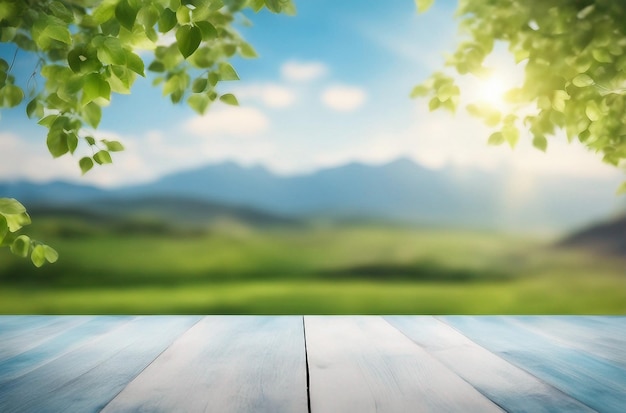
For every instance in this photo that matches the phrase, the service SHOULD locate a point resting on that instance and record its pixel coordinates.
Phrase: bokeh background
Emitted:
(327, 191)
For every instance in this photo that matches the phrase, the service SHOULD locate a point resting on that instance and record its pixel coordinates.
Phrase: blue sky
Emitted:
(330, 86)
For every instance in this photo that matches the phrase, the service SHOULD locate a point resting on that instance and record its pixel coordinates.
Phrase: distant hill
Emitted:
(400, 191)
(607, 237)
(165, 210)
(50, 193)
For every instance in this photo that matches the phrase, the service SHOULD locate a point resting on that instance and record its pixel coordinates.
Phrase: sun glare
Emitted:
(492, 90)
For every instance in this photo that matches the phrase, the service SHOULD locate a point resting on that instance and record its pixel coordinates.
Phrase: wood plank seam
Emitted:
(363, 364)
(437, 358)
(306, 364)
(146, 366)
(515, 365)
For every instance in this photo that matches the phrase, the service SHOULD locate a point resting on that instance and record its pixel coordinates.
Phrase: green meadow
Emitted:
(228, 268)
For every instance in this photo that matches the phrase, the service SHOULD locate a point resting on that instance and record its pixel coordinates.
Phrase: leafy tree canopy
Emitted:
(573, 55)
(89, 49)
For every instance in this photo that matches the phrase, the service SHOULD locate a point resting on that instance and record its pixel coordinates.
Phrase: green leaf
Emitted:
(183, 15)
(50, 253)
(4, 228)
(104, 12)
(31, 108)
(60, 33)
(207, 29)
(156, 66)
(113, 146)
(175, 84)
(446, 91)
(72, 142)
(273, 5)
(229, 49)
(102, 157)
(257, 5)
(229, 99)
(21, 246)
(126, 14)
(92, 113)
(17, 221)
(12, 95)
(540, 142)
(85, 164)
(510, 134)
(111, 52)
(90, 140)
(38, 256)
(419, 91)
(188, 39)
(423, 5)
(227, 72)
(559, 99)
(621, 190)
(582, 80)
(167, 21)
(434, 103)
(57, 143)
(134, 63)
(48, 120)
(602, 55)
(199, 85)
(213, 78)
(10, 206)
(593, 111)
(496, 138)
(247, 51)
(198, 102)
(59, 10)
(95, 86)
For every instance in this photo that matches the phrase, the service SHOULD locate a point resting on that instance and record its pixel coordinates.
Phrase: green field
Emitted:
(351, 269)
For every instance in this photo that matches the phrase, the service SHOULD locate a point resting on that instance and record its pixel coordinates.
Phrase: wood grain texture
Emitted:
(594, 381)
(225, 364)
(89, 376)
(363, 364)
(57, 344)
(604, 337)
(512, 388)
(21, 333)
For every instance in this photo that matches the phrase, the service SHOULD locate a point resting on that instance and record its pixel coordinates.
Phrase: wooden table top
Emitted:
(312, 364)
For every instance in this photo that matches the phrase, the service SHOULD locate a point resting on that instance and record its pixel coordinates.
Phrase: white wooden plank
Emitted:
(512, 388)
(225, 364)
(604, 337)
(57, 344)
(22, 333)
(87, 378)
(595, 382)
(363, 364)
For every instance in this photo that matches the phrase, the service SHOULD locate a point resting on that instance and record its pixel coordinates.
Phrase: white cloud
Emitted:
(303, 71)
(272, 95)
(30, 160)
(343, 98)
(233, 121)
(21, 158)
(439, 139)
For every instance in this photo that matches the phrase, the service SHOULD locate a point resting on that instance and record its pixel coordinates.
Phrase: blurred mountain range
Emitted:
(608, 237)
(400, 191)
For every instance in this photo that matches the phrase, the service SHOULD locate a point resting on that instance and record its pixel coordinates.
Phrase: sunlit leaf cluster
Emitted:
(13, 217)
(90, 50)
(574, 65)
